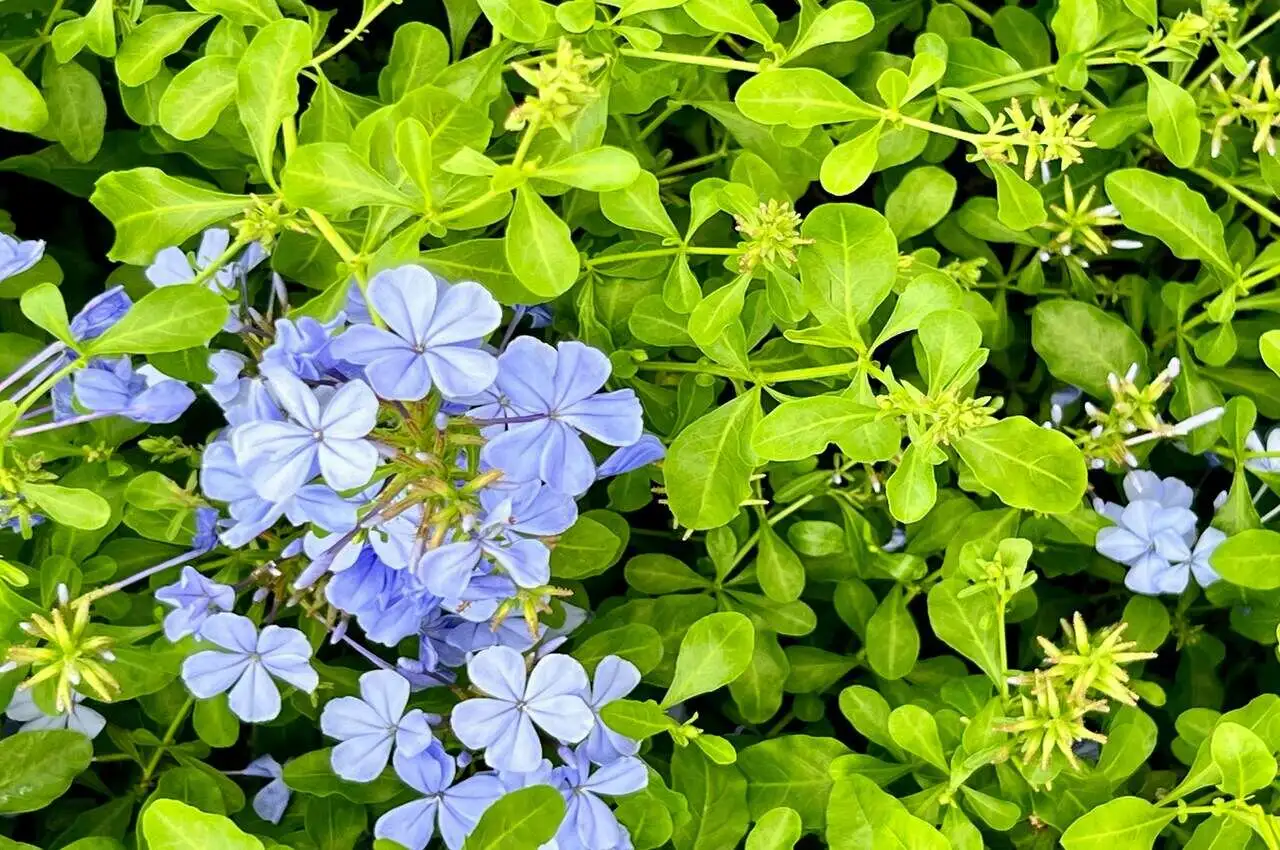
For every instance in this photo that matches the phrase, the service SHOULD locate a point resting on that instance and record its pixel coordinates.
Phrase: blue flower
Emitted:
(328, 437)
(246, 664)
(502, 724)
(454, 809)
(301, 348)
(194, 599)
(557, 389)
(100, 313)
(172, 266)
(227, 384)
(588, 822)
(273, 798)
(371, 725)
(447, 569)
(614, 678)
(1263, 465)
(17, 256)
(433, 337)
(78, 718)
(1148, 537)
(143, 396)
(533, 509)
(648, 449)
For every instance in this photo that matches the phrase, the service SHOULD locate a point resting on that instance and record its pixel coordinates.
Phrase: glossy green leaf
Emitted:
(1027, 466)
(714, 652)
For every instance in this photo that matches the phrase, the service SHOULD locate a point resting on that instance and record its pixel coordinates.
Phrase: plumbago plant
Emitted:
(657, 423)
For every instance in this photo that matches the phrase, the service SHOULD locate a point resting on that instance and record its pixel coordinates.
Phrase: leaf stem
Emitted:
(649, 253)
(352, 34)
(167, 741)
(691, 59)
(696, 162)
(1241, 42)
(43, 35)
(526, 141)
(218, 262)
(1237, 193)
(349, 256)
(976, 11)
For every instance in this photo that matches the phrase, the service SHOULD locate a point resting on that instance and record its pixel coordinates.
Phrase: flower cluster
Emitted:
(770, 236)
(1155, 535)
(1058, 137)
(563, 87)
(1255, 105)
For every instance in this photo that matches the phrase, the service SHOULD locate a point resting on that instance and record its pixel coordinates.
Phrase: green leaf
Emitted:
(22, 107)
(638, 207)
(1027, 466)
(843, 21)
(1175, 119)
(214, 723)
(419, 52)
(732, 16)
(1269, 347)
(1081, 344)
(37, 768)
(893, 642)
(478, 259)
(44, 306)
(776, 829)
(915, 730)
(637, 720)
(912, 489)
(77, 110)
(634, 642)
(197, 96)
(173, 825)
(525, 21)
(602, 169)
(850, 163)
(1165, 208)
(152, 211)
(587, 549)
(1076, 25)
(1244, 760)
(800, 98)
(952, 345)
(313, 774)
(966, 622)
(539, 247)
(1249, 559)
(714, 652)
(850, 267)
(70, 506)
(143, 51)
(1126, 823)
(778, 569)
(713, 315)
(717, 796)
(332, 178)
(246, 13)
(334, 824)
(522, 820)
(169, 319)
(267, 85)
(1018, 205)
(792, 771)
(920, 201)
(708, 467)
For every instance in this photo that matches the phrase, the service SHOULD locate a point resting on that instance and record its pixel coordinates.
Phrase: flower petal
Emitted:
(255, 698)
(411, 825)
(500, 673)
(405, 298)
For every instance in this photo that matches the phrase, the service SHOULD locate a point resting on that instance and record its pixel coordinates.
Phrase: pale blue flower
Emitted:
(433, 336)
(325, 434)
(502, 723)
(99, 314)
(453, 809)
(648, 449)
(588, 822)
(172, 266)
(614, 678)
(246, 664)
(301, 348)
(193, 599)
(273, 798)
(554, 393)
(17, 256)
(78, 718)
(112, 386)
(446, 570)
(369, 727)
(532, 509)
(1266, 465)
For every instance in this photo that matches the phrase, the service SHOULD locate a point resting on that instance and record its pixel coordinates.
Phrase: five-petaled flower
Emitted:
(369, 726)
(246, 662)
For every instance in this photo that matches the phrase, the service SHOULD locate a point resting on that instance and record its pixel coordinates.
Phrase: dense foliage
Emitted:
(501, 424)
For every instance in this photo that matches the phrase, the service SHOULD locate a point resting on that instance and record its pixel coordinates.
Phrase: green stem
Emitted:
(349, 256)
(1003, 684)
(221, 260)
(696, 162)
(526, 141)
(167, 741)
(697, 368)
(43, 36)
(650, 253)
(469, 206)
(691, 59)
(808, 373)
(353, 34)
(1237, 193)
(976, 11)
(1241, 42)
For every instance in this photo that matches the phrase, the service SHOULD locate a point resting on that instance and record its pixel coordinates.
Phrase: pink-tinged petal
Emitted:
(566, 718)
(232, 632)
(580, 371)
(500, 672)
(365, 344)
(208, 674)
(526, 374)
(464, 312)
(351, 412)
(477, 723)
(411, 825)
(255, 698)
(347, 464)
(295, 398)
(461, 371)
(614, 418)
(405, 298)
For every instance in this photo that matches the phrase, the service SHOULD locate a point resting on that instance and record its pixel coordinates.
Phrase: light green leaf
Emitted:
(525, 21)
(792, 771)
(635, 642)
(267, 85)
(1018, 205)
(539, 246)
(708, 467)
(44, 306)
(522, 820)
(893, 642)
(1082, 344)
(77, 110)
(850, 267)
(804, 427)
(912, 489)
(778, 569)
(843, 21)
(419, 52)
(1165, 208)
(850, 163)
(714, 652)
(602, 169)
(732, 16)
(638, 207)
(717, 796)
(637, 720)
(246, 13)
(1249, 559)
(1269, 346)
(169, 319)
(800, 98)
(479, 259)
(144, 49)
(914, 729)
(22, 107)
(152, 211)
(920, 201)
(1076, 25)
(776, 829)
(1126, 823)
(966, 622)
(952, 345)
(197, 96)
(1244, 760)
(37, 768)
(70, 506)
(332, 178)
(173, 825)
(1175, 119)
(1027, 466)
